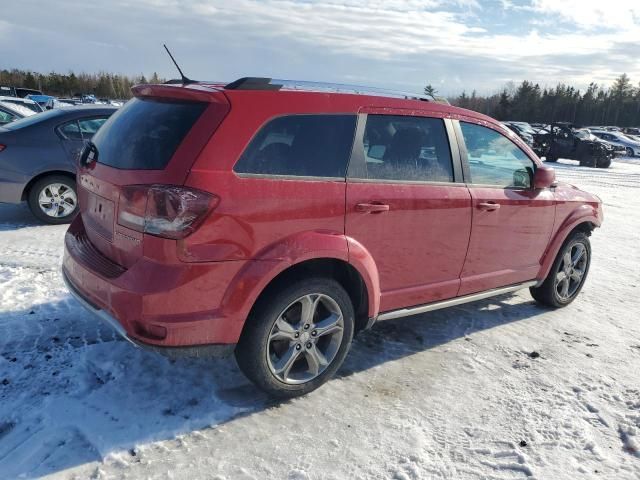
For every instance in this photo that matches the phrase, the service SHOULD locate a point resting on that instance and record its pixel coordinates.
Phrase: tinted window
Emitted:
(144, 134)
(494, 159)
(406, 148)
(301, 145)
(71, 130)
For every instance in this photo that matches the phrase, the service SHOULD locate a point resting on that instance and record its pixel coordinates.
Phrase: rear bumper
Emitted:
(213, 350)
(160, 306)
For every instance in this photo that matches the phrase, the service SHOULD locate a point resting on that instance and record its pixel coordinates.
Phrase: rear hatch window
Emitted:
(144, 134)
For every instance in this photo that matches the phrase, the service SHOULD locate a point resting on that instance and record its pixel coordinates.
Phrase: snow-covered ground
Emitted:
(452, 394)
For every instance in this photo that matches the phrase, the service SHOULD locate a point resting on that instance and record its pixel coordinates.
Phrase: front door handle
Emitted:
(372, 207)
(489, 206)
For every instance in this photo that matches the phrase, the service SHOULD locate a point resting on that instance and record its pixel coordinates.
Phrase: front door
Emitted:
(512, 222)
(407, 205)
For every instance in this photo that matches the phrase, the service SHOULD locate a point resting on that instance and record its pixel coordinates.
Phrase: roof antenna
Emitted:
(185, 80)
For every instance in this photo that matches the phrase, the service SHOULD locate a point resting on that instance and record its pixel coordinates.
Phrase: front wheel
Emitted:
(53, 199)
(568, 273)
(296, 338)
(629, 152)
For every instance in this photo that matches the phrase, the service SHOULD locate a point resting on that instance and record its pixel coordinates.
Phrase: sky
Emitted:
(454, 45)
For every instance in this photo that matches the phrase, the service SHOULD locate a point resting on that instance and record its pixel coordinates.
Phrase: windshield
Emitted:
(33, 119)
(144, 134)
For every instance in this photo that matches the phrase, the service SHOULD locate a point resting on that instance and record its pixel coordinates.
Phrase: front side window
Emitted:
(494, 159)
(301, 145)
(403, 148)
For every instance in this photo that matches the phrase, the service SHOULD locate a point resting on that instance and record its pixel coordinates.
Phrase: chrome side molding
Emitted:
(429, 307)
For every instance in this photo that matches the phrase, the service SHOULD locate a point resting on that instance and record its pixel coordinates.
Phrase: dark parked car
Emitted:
(523, 130)
(276, 221)
(38, 159)
(562, 141)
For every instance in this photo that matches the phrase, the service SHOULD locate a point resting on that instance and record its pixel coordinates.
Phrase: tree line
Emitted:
(617, 105)
(102, 85)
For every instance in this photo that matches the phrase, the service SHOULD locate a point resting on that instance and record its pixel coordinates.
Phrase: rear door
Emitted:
(512, 221)
(407, 205)
(153, 139)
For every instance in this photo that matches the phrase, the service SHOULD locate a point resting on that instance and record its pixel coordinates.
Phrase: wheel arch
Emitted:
(311, 253)
(341, 271)
(40, 176)
(584, 224)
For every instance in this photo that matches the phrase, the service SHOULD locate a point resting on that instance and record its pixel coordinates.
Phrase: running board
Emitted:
(452, 302)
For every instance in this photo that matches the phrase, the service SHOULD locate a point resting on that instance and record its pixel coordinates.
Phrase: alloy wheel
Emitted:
(571, 271)
(57, 200)
(305, 339)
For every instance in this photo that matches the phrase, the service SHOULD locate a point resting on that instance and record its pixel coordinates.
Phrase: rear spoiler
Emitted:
(192, 92)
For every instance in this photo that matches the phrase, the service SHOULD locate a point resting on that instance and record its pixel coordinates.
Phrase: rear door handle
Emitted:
(372, 207)
(489, 206)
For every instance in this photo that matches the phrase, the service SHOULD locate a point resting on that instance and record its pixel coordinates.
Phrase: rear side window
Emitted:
(144, 134)
(301, 145)
(404, 148)
(71, 130)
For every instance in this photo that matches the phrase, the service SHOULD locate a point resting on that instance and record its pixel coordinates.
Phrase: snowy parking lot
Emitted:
(500, 388)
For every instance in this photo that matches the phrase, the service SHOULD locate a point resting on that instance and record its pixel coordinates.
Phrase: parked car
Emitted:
(23, 102)
(7, 91)
(10, 113)
(23, 92)
(520, 129)
(274, 220)
(38, 159)
(631, 146)
(631, 131)
(562, 142)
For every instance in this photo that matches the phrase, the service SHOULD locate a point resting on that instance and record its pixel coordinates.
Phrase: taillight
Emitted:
(166, 211)
(2, 147)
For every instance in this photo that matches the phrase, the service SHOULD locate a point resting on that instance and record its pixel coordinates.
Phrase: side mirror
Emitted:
(544, 177)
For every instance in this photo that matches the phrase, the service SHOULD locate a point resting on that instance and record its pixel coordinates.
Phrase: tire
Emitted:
(629, 152)
(550, 158)
(548, 293)
(61, 190)
(604, 162)
(275, 332)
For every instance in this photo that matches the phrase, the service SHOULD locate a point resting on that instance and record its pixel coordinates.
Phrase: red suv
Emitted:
(276, 219)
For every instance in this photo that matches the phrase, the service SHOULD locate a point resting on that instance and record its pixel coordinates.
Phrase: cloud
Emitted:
(403, 44)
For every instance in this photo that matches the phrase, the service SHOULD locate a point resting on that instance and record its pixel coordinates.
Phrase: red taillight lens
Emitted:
(166, 211)
(2, 147)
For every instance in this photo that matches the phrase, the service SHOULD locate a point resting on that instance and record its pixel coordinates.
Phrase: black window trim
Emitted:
(464, 155)
(307, 178)
(357, 164)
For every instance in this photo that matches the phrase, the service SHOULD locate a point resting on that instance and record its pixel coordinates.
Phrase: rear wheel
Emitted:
(568, 273)
(53, 199)
(629, 152)
(296, 339)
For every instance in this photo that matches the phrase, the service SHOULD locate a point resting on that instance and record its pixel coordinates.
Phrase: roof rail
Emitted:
(262, 83)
